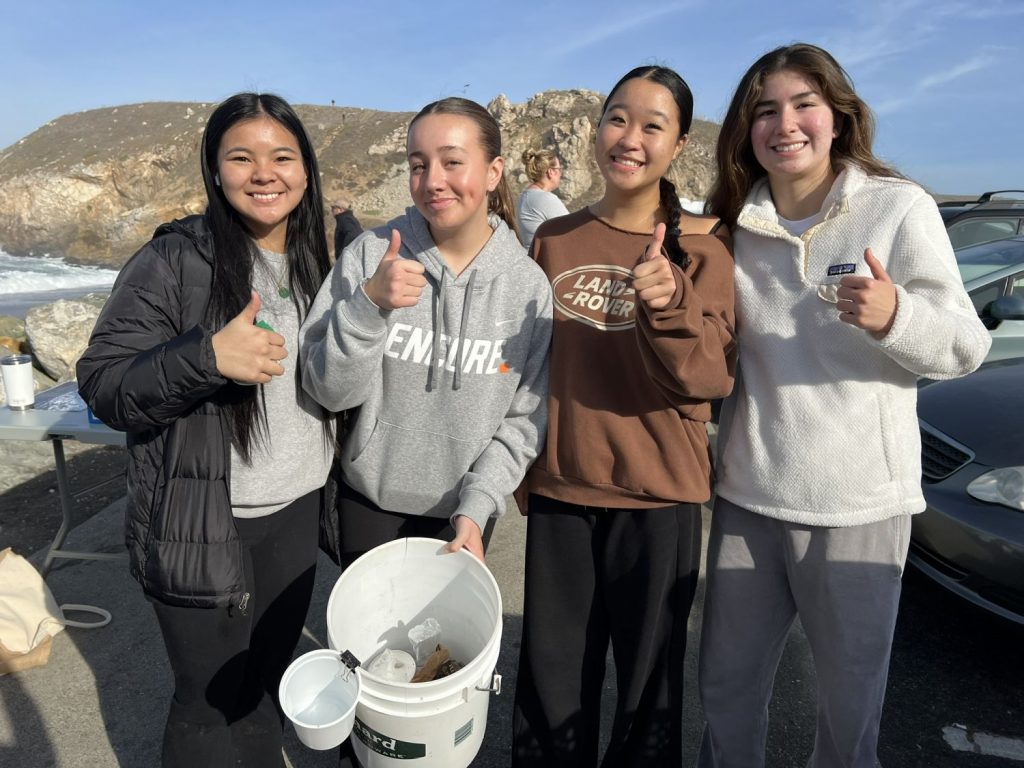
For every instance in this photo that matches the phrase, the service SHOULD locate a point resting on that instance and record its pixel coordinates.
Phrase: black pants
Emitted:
(227, 665)
(363, 526)
(595, 575)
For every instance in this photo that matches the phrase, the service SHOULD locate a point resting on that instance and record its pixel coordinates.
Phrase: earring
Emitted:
(216, 180)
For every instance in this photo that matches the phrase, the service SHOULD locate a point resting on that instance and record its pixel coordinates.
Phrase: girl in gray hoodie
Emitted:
(433, 332)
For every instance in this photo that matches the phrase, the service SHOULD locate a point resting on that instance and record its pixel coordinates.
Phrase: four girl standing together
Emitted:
(460, 362)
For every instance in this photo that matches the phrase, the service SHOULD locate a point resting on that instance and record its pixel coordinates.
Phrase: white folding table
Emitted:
(35, 424)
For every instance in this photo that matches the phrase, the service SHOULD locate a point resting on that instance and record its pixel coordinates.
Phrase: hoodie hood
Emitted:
(498, 255)
(195, 229)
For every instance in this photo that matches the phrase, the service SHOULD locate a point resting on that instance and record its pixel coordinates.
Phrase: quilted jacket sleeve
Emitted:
(142, 369)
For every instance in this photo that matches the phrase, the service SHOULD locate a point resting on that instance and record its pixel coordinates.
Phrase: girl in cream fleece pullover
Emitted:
(847, 292)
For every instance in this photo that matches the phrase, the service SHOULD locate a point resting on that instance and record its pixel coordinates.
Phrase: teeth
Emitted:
(266, 196)
(627, 161)
(790, 147)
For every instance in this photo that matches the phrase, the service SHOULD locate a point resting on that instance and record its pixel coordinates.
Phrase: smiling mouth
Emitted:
(265, 196)
(794, 147)
(627, 162)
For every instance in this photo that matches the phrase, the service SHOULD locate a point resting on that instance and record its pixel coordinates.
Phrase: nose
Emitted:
(262, 171)
(434, 176)
(787, 119)
(630, 136)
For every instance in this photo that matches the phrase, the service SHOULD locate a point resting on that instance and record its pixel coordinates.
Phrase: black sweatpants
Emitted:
(227, 665)
(595, 575)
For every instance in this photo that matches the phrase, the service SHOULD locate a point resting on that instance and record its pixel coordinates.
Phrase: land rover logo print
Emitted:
(387, 745)
(599, 295)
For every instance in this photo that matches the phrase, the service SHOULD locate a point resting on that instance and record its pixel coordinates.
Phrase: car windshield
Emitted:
(979, 260)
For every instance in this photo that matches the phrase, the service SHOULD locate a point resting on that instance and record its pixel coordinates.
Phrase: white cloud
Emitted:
(975, 64)
(584, 38)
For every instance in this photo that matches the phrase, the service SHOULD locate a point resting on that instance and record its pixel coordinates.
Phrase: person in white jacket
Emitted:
(847, 292)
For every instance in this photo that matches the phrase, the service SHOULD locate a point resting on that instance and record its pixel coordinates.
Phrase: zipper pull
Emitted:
(243, 603)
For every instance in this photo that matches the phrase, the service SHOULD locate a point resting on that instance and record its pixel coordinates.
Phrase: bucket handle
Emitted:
(494, 687)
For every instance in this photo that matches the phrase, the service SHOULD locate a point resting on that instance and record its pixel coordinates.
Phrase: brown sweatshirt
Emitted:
(630, 386)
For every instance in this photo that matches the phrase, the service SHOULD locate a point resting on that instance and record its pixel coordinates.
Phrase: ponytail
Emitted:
(501, 202)
(673, 213)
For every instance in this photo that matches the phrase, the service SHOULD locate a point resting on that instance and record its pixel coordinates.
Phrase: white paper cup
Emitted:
(17, 375)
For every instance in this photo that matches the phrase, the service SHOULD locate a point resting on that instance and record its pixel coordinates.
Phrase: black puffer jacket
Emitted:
(150, 370)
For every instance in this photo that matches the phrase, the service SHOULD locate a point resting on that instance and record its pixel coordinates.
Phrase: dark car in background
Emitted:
(993, 216)
(993, 274)
(970, 539)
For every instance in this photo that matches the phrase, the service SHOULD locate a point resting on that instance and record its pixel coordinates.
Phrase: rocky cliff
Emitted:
(93, 186)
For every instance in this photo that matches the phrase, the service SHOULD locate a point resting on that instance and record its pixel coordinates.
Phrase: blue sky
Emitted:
(942, 75)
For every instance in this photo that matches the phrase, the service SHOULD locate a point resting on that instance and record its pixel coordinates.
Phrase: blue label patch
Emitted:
(841, 269)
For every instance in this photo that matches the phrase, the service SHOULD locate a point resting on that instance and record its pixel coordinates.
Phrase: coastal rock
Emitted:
(93, 186)
(58, 333)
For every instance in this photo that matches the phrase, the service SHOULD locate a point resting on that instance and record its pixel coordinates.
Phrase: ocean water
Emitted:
(26, 281)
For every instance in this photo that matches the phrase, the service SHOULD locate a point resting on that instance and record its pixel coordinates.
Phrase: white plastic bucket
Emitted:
(437, 724)
(318, 693)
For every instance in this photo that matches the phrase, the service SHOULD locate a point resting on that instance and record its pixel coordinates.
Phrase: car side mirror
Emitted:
(1007, 308)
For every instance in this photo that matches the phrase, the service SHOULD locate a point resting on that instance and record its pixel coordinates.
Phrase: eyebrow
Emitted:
(772, 102)
(657, 112)
(446, 148)
(275, 149)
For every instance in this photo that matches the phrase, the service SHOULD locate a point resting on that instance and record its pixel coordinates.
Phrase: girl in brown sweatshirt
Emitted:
(643, 339)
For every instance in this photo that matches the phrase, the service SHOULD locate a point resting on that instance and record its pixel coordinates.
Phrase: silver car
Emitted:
(993, 274)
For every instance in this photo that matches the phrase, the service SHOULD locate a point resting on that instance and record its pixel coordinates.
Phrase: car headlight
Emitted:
(1001, 486)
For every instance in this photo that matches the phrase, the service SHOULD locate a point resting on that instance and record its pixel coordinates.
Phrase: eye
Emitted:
(415, 167)
(237, 159)
(450, 163)
(763, 112)
(653, 127)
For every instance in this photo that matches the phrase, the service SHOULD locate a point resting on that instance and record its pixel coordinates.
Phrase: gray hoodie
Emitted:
(452, 392)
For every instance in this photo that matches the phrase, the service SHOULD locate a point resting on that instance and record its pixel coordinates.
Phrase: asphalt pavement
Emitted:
(102, 698)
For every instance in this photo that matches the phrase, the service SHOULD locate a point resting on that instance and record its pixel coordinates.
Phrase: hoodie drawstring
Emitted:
(467, 299)
(439, 358)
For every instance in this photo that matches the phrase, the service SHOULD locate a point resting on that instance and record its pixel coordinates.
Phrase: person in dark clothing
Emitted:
(193, 357)
(346, 226)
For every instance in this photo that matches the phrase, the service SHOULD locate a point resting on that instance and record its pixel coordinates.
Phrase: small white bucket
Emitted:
(437, 724)
(318, 694)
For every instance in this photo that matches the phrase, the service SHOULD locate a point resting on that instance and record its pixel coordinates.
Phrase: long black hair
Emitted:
(235, 252)
(683, 97)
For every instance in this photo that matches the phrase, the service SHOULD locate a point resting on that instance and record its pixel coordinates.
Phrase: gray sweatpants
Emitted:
(844, 583)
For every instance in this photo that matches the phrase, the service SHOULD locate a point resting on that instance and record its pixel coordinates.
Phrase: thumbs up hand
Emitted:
(397, 282)
(246, 353)
(868, 302)
(653, 279)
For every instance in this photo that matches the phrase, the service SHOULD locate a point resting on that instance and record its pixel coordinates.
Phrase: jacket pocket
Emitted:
(413, 470)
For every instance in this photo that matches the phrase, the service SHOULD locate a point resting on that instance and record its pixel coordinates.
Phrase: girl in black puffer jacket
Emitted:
(194, 358)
